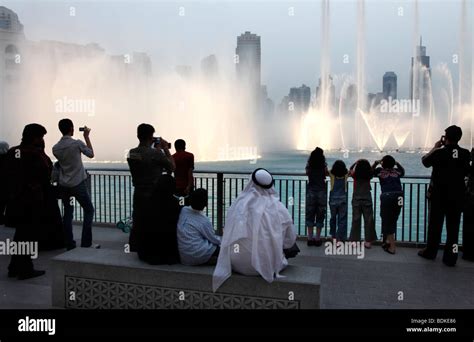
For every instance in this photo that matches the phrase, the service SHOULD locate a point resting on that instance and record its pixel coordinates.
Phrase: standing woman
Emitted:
(316, 195)
(361, 172)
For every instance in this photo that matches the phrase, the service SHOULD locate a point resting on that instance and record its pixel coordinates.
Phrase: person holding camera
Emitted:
(73, 181)
(450, 164)
(147, 162)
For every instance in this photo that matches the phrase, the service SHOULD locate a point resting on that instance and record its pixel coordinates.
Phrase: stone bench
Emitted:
(86, 278)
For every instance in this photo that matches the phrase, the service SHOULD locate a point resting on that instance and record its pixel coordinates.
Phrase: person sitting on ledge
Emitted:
(197, 242)
(157, 243)
(258, 228)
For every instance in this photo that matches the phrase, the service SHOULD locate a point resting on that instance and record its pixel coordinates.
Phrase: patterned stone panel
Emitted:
(103, 294)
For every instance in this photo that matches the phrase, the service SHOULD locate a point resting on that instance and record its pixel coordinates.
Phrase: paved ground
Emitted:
(377, 281)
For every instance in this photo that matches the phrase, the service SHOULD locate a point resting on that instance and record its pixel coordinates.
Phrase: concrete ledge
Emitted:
(87, 278)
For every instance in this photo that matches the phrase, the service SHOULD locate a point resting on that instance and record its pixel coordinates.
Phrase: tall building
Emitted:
(420, 73)
(389, 85)
(300, 97)
(330, 92)
(209, 67)
(248, 61)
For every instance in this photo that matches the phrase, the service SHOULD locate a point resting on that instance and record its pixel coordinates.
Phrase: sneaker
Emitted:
(32, 274)
(367, 245)
(310, 243)
(318, 242)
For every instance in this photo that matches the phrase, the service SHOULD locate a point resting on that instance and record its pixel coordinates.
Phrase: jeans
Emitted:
(363, 208)
(338, 206)
(390, 208)
(316, 205)
(81, 194)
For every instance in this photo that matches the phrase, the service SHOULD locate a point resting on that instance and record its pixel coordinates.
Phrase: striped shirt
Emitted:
(197, 240)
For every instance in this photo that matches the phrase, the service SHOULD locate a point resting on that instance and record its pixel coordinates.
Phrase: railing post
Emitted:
(220, 202)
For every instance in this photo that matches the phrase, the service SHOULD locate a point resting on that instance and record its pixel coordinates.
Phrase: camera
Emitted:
(82, 129)
(157, 141)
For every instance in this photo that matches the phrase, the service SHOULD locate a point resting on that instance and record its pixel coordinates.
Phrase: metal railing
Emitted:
(112, 193)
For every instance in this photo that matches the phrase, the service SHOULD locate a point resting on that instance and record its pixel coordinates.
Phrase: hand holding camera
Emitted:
(86, 131)
(161, 143)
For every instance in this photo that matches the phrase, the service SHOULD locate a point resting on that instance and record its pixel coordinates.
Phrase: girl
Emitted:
(316, 195)
(361, 172)
(391, 199)
(338, 200)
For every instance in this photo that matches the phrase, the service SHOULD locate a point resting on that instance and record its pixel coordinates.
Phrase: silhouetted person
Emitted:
(147, 163)
(73, 181)
(3, 191)
(184, 169)
(450, 165)
(391, 198)
(157, 241)
(468, 218)
(28, 174)
(362, 205)
(316, 195)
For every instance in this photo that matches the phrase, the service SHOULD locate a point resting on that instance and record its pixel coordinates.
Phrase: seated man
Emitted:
(257, 230)
(197, 242)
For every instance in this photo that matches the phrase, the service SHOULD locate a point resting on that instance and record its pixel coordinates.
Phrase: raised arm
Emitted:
(400, 169)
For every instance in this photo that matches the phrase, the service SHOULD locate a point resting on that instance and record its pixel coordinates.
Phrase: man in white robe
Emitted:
(258, 227)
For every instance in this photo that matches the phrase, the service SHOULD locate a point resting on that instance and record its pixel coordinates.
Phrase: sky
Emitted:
(289, 30)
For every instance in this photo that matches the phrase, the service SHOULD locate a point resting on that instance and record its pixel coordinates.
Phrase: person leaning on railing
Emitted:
(389, 173)
(147, 162)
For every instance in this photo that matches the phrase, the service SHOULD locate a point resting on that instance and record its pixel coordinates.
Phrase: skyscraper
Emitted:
(420, 73)
(209, 67)
(389, 85)
(300, 97)
(248, 61)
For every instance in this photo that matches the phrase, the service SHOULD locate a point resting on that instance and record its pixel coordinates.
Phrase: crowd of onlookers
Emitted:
(169, 224)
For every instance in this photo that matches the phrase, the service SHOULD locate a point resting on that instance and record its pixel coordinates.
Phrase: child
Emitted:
(316, 195)
(361, 172)
(338, 200)
(391, 199)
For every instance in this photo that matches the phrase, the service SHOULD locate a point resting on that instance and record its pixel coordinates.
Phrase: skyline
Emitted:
(281, 70)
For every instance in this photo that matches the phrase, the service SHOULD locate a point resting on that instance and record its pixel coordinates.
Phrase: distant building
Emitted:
(331, 92)
(248, 62)
(300, 97)
(420, 73)
(389, 85)
(185, 71)
(209, 67)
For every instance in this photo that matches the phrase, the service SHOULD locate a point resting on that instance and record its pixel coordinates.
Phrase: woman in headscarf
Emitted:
(258, 227)
(157, 242)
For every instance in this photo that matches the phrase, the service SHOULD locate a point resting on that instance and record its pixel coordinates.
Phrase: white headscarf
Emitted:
(257, 214)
